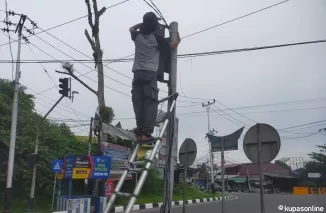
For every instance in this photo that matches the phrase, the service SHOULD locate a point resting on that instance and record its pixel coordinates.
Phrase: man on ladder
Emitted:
(148, 48)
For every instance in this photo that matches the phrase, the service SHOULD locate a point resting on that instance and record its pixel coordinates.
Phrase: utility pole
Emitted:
(169, 172)
(208, 106)
(222, 172)
(8, 193)
(89, 149)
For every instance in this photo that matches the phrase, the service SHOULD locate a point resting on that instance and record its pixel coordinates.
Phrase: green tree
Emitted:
(55, 141)
(321, 156)
(312, 167)
(282, 164)
(203, 170)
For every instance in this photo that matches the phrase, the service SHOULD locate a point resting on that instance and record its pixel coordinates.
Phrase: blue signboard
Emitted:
(100, 167)
(68, 166)
(57, 165)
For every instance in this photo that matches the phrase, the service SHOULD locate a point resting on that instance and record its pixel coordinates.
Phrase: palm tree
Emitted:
(203, 170)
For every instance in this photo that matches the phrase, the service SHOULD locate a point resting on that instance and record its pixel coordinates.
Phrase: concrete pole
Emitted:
(169, 182)
(261, 178)
(222, 173)
(208, 106)
(8, 193)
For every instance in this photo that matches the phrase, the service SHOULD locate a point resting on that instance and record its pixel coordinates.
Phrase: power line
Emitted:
(249, 49)
(203, 113)
(291, 127)
(186, 55)
(264, 105)
(68, 22)
(92, 70)
(232, 20)
(257, 11)
(84, 54)
(65, 108)
(78, 76)
(312, 134)
(55, 85)
(242, 123)
(241, 114)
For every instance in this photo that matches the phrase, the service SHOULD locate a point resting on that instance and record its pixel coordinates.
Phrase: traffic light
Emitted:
(64, 85)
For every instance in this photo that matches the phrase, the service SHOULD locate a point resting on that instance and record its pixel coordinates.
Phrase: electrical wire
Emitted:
(235, 19)
(84, 54)
(203, 113)
(63, 107)
(92, 70)
(242, 123)
(232, 20)
(241, 114)
(312, 134)
(249, 49)
(187, 55)
(78, 77)
(291, 127)
(22, 107)
(68, 22)
(55, 85)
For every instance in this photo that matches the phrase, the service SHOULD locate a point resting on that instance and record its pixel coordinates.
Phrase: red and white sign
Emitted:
(109, 187)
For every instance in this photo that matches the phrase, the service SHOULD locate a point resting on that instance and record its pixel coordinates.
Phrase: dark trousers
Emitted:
(145, 100)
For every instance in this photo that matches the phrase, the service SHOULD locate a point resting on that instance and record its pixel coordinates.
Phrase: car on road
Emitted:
(218, 187)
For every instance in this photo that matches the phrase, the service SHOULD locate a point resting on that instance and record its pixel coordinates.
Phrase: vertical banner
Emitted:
(109, 187)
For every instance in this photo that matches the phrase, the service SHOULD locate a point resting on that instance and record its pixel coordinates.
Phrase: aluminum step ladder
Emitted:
(148, 163)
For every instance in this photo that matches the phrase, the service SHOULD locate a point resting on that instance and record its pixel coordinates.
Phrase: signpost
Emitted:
(187, 156)
(56, 168)
(261, 145)
(224, 143)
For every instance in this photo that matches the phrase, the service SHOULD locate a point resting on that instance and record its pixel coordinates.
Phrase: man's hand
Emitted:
(135, 27)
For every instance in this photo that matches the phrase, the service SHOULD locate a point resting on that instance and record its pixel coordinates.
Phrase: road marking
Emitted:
(188, 205)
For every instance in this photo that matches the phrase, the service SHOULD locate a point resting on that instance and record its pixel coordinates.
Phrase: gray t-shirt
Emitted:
(147, 50)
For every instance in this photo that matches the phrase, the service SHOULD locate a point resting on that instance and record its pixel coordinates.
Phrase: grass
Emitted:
(44, 204)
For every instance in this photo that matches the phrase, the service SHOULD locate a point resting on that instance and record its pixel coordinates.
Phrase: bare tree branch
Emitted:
(90, 20)
(78, 79)
(90, 40)
(96, 46)
(101, 11)
(97, 19)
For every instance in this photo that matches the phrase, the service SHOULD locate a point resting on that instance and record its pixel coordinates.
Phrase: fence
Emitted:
(309, 190)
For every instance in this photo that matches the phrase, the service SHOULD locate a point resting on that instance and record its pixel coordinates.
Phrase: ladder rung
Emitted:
(138, 162)
(124, 194)
(174, 95)
(135, 169)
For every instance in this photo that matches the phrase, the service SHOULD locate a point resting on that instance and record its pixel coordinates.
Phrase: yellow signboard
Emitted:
(60, 176)
(80, 173)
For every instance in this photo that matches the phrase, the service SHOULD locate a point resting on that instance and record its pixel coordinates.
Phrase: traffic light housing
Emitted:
(64, 85)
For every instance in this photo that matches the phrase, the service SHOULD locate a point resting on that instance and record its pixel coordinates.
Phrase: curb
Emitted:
(174, 203)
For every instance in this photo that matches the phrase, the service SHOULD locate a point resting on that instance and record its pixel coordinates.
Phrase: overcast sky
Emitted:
(235, 80)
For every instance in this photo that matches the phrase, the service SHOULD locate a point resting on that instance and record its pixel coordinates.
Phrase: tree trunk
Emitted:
(100, 73)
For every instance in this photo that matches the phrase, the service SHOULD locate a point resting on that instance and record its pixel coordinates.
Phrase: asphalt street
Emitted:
(251, 203)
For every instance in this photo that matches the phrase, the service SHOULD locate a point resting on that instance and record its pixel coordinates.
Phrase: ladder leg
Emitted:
(144, 174)
(121, 181)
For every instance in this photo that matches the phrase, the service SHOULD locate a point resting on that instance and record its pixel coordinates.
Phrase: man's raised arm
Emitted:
(135, 27)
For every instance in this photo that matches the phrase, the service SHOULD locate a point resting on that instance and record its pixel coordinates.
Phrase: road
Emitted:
(251, 203)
